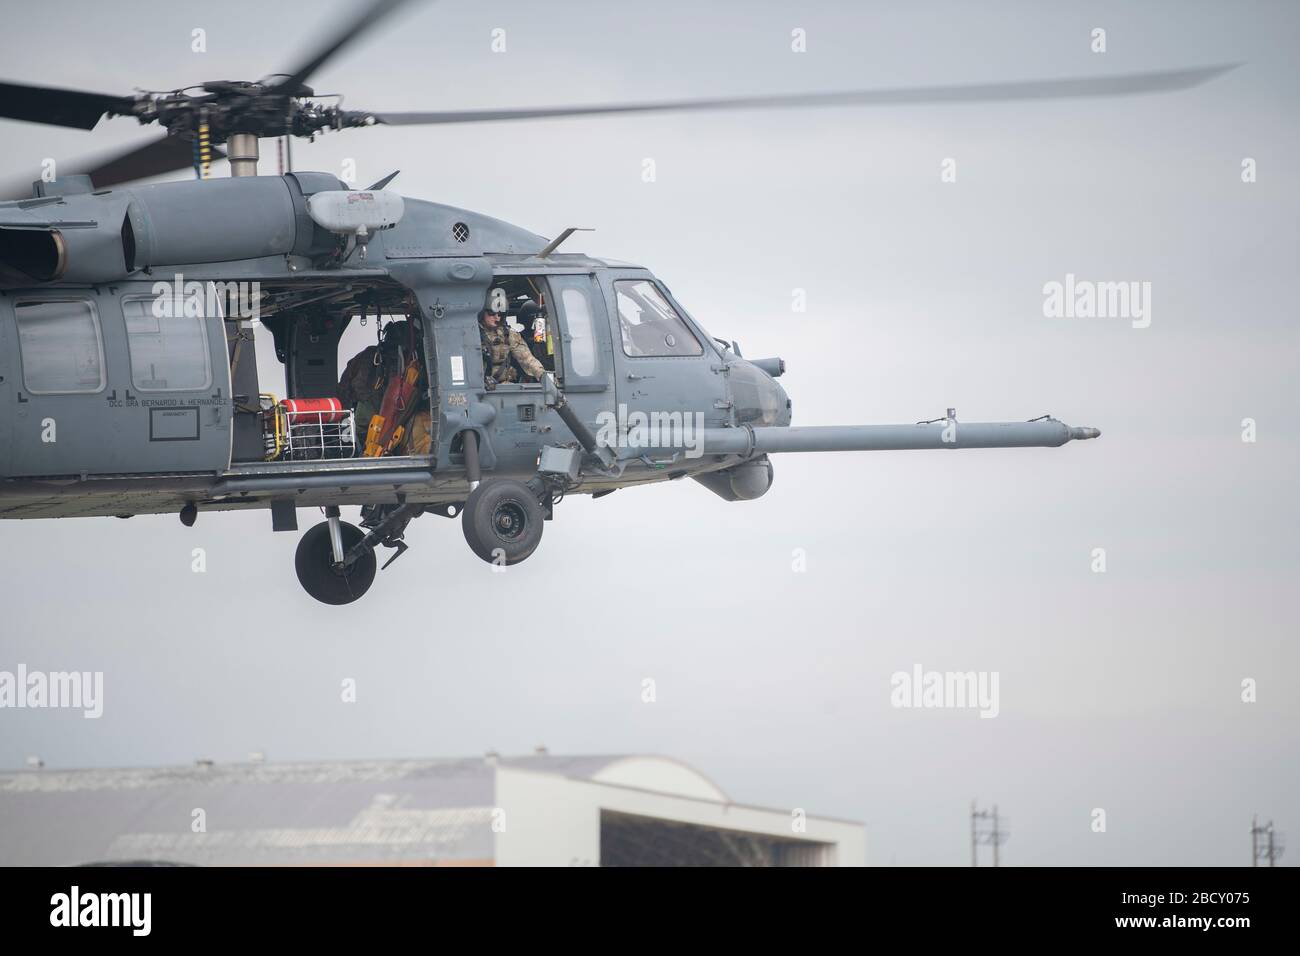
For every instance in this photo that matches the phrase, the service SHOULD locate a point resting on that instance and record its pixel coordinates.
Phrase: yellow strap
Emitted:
(373, 448)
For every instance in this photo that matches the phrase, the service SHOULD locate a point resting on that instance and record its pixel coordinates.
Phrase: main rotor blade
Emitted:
(352, 30)
(57, 107)
(154, 158)
(139, 162)
(982, 92)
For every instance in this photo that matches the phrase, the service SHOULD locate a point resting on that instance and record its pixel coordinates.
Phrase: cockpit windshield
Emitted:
(649, 323)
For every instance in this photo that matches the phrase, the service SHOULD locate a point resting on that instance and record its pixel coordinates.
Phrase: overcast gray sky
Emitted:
(1119, 690)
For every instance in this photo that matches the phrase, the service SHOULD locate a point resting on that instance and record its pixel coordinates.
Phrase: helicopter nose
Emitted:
(757, 397)
(784, 409)
(754, 396)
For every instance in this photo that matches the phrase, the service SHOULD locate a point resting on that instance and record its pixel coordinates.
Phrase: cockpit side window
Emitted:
(649, 324)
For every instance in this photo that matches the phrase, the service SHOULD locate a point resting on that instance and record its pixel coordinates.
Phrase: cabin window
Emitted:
(61, 346)
(168, 354)
(650, 325)
(582, 334)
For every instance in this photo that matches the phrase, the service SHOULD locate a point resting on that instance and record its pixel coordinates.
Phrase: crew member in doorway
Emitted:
(502, 343)
(368, 379)
(362, 386)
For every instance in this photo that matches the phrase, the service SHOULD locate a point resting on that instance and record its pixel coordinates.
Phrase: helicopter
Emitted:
(128, 374)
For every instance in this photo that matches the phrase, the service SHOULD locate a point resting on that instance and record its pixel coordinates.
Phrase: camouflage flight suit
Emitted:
(499, 345)
(362, 388)
(419, 434)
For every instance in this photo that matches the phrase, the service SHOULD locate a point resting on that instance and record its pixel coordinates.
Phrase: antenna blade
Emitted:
(385, 181)
(555, 243)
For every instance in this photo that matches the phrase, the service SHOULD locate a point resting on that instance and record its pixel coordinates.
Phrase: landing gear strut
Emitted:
(386, 524)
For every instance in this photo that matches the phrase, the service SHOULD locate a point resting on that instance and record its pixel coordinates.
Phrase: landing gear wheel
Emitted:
(314, 563)
(502, 521)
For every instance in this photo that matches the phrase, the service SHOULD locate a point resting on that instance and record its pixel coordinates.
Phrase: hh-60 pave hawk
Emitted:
(128, 383)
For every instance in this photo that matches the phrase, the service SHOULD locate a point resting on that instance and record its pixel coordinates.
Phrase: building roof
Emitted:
(300, 812)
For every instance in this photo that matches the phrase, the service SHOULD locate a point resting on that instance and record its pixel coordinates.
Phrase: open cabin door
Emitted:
(585, 366)
(120, 382)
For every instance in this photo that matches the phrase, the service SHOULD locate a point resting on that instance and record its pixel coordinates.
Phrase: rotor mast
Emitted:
(242, 154)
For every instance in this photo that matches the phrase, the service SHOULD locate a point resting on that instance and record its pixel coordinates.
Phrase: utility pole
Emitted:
(1265, 843)
(994, 835)
(974, 853)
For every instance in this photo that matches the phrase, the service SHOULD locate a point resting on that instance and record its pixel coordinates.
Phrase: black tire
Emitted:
(314, 563)
(502, 521)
